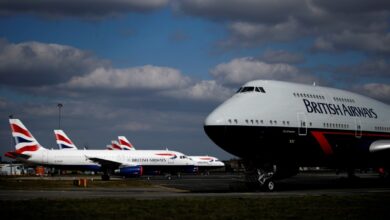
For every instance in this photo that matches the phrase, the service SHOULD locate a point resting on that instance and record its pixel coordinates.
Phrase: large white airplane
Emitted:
(204, 163)
(275, 127)
(124, 163)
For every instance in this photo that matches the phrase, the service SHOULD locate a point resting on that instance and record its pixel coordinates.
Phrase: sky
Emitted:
(153, 70)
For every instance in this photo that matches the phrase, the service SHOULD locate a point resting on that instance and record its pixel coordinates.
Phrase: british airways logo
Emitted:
(334, 109)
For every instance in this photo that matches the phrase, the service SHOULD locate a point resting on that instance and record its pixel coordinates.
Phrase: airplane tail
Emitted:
(125, 144)
(115, 145)
(63, 141)
(109, 147)
(24, 140)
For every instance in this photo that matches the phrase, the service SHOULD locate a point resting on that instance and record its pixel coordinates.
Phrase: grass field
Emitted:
(308, 207)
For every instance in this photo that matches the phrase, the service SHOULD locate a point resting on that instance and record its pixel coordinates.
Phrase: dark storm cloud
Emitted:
(336, 25)
(32, 64)
(91, 9)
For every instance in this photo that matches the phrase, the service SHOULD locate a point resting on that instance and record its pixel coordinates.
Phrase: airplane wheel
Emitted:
(269, 186)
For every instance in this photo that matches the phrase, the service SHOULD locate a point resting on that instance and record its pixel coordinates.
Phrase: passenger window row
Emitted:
(381, 128)
(250, 89)
(256, 121)
(335, 125)
(337, 99)
(304, 95)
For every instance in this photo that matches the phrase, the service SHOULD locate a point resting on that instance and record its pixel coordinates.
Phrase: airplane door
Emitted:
(302, 124)
(358, 130)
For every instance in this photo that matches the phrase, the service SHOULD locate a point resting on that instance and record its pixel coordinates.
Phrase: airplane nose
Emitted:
(214, 118)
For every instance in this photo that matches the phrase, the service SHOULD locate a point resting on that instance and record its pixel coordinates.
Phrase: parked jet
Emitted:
(124, 163)
(204, 163)
(207, 163)
(276, 127)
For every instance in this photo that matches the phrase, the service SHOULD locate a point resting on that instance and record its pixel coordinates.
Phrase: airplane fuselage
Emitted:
(271, 121)
(83, 159)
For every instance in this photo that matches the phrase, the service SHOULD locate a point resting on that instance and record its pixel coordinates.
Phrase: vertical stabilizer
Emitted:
(63, 141)
(115, 145)
(24, 140)
(125, 144)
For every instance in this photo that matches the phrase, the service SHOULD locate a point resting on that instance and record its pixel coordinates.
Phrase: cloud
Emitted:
(205, 90)
(35, 64)
(375, 67)
(348, 40)
(145, 77)
(352, 25)
(248, 34)
(241, 70)
(89, 9)
(268, 11)
(282, 56)
(378, 91)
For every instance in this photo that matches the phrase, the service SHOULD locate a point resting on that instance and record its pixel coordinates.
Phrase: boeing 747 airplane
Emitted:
(276, 127)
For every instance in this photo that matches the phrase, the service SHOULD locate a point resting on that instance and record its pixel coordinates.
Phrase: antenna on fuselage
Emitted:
(314, 83)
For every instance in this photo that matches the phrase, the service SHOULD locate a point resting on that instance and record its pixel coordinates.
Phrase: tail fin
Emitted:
(24, 140)
(125, 144)
(109, 147)
(63, 141)
(115, 145)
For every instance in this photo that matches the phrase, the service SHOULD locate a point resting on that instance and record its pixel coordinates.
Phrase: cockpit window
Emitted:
(250, 89)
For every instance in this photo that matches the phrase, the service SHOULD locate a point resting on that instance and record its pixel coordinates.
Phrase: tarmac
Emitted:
(215, 185)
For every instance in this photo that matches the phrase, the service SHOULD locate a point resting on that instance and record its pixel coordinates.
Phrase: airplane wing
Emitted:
(111, 164)
(380, 146)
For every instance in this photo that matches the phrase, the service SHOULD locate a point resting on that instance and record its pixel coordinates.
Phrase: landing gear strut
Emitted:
(265, 180)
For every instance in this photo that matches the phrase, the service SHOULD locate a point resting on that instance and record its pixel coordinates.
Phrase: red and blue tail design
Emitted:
(24, 140)
(125, 144)
(63, 141)
(115, 145)
(109, 147)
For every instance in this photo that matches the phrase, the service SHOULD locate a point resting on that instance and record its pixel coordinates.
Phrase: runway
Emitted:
(220, 185)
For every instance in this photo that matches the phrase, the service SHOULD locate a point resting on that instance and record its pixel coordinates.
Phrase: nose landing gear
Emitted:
(261, 179)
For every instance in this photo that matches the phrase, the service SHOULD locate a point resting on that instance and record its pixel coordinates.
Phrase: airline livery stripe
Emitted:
(122, 142)
(64, 139)
(327, 148)
(17, 129)
(27, 148)
(323, 142)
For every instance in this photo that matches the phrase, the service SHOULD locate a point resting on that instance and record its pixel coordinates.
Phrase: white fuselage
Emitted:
(80, 158)
(272, 120)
